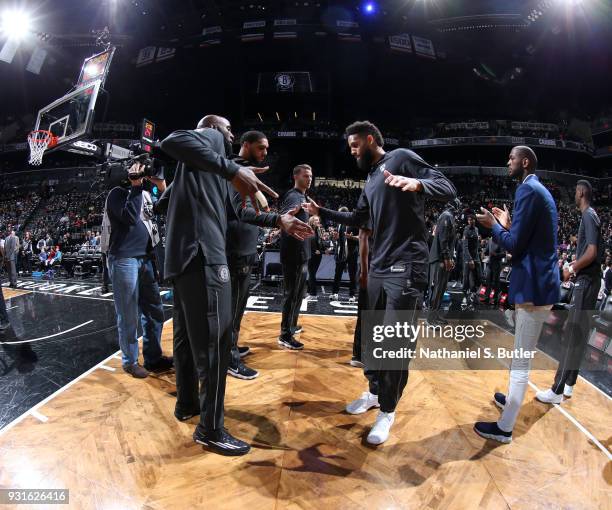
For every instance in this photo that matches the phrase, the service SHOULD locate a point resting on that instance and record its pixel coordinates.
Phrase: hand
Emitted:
(136, 170)
(405, 183)
(247, 184)
(448, 264)
(294, 227)
(317, 252)
(503, 216)
(311, 207)
(486, 219)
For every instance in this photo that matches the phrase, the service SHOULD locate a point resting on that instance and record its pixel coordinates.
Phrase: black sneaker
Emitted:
(244, 351)
(220, 441)
(185, 415)
(242, 372)
(500, 400)
(297, 329)
(163, 364)
(104, 289)
(490, 430)
(4, 325)
(290, 343)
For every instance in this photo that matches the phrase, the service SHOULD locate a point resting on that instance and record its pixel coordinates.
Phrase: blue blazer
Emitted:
(532, 241)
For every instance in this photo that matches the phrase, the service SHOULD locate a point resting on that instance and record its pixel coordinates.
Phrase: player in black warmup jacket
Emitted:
(398, 267)
(294, 256)
(196, 262)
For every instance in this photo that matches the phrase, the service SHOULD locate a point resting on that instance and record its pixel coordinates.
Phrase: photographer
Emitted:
(133, 235)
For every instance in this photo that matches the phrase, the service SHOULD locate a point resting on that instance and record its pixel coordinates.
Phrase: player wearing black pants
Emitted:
(587, 271)
(196, 262)
(496, 256)
(362, 300)
(398, 268)
(346, 254)
(294, 256)
(441, 261)
(472, 265)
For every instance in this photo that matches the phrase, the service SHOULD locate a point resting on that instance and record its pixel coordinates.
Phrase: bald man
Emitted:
(196, 262)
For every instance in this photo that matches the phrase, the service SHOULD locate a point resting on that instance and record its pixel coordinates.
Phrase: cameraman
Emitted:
(130, 243)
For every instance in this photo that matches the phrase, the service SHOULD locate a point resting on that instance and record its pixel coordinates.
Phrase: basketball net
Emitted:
(39, 141)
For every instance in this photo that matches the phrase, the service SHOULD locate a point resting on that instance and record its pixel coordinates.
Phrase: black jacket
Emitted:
(471, 245)
(197, 209)
(443, 242)
(292, 250)
(397, 217)
(243, 224)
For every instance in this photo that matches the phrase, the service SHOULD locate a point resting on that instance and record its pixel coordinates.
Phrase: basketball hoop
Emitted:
(39, 141)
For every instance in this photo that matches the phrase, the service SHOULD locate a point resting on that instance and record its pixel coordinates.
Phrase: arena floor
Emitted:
(114, 443)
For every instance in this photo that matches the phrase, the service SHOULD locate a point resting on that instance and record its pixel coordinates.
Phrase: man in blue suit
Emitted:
(531, 237)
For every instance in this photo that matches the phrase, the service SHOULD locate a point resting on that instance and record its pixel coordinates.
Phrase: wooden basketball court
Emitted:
(114, 443)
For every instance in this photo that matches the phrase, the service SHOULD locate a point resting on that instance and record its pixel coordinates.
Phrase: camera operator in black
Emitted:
(196, 261)
(398, 268)
(496, 256)
(472, 265)
(294, 256)
(441, 260)
(346, 254)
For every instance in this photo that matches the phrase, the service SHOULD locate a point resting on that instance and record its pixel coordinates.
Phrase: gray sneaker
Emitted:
(136, 371)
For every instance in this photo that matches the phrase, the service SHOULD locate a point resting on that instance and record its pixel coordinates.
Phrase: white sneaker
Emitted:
(364, 403)
(311, 298)
(352, 299)
(333, 297)
(568, 390)
(380, 431)
(549, 397)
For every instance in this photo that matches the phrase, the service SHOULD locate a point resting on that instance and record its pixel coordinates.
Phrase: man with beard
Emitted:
(441, 261)
(294, 256)
(531, 238)
(242, 245)
(398, 267)
(196, 261)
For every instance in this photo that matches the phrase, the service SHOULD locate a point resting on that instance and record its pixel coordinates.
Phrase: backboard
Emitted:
(96, 67)
(70, 117)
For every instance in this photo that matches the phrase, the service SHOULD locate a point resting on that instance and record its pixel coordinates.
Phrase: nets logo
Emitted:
(284, 82)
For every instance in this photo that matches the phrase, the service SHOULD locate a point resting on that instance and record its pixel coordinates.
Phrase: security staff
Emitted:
(196, 261)
(294, 256)
(441, 260)
(472, 265)
(398, 268)
(242, 234)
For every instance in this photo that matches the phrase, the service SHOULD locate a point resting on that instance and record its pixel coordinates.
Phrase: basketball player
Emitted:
(398, 268)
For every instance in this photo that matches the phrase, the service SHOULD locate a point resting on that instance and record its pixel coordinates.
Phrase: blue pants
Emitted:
(136, 295)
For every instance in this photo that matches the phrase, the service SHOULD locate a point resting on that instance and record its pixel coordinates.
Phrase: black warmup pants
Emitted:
(576, 333)
(438, 280)
(495, 267)
(362, 304)
(392, 292)
(313, 267)
(472, 277)
(352, 262)
(240, 274)
(294, 281)
(202, 353)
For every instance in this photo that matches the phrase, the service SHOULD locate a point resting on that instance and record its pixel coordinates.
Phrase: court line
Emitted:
(550, 357)
(19, 419)
(304, 314)
(48, 336)
(106, 367)
(579, 425)
(39, 416)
